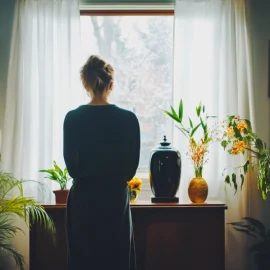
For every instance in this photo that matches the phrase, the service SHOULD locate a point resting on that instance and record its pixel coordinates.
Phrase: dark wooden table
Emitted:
(168, 236)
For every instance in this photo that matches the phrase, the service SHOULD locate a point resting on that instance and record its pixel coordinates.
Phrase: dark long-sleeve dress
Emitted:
(101, 152)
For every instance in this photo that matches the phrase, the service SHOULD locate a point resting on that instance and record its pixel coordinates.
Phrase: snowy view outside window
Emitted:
(140, 48)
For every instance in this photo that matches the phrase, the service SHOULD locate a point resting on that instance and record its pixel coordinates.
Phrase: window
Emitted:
(140, 48)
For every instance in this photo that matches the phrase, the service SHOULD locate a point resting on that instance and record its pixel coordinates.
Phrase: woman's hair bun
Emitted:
(96, 63)
(96, 74)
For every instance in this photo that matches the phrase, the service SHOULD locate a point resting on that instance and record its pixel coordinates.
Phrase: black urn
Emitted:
(165, 172)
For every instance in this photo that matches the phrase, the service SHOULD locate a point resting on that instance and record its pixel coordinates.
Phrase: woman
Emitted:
(101, 151)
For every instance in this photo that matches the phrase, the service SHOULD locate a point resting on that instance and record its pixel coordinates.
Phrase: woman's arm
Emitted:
(133, 156)
(70, 144)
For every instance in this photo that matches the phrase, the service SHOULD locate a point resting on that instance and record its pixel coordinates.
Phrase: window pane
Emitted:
(140, 50)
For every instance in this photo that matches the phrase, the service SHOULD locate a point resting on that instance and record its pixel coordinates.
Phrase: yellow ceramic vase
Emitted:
(198, 190)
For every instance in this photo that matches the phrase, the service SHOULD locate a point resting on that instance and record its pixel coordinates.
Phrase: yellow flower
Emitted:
(230, 132)
(242, 126)
(135, 182)
(237, 147)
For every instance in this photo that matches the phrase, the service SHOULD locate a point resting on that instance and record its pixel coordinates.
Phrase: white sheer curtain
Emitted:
(212, 63)
(43, 73)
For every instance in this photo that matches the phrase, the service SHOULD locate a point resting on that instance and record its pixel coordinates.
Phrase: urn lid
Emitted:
(164, 144)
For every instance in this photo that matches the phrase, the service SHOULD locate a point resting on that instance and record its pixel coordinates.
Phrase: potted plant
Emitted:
(239, 138)
(261, 249)
(198, 147)
(14, 203)
(61, 177)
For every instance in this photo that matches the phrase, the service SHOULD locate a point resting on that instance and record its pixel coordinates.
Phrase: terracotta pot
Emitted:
(198, 190)
(61, 196)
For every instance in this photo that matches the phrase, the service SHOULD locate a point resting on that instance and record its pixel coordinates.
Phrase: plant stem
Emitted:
(254, 152)
(198, 171)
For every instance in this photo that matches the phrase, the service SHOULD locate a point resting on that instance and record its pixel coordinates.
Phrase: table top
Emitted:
(149, 204)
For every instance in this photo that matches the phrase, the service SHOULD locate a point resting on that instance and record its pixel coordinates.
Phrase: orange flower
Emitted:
(197, 152)
(237, 147)
(242, 126)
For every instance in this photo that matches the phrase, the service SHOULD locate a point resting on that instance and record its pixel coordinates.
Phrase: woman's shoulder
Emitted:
(127, 113)
(72, 115)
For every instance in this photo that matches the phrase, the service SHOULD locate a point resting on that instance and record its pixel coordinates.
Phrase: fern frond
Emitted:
(7, 230)
(9, 250)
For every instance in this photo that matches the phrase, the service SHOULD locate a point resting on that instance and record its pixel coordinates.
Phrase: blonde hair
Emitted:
(96, 75)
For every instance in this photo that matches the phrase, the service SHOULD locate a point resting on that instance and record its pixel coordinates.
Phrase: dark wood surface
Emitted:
(171, 236)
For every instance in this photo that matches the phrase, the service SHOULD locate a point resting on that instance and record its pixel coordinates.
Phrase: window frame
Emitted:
(126, 12)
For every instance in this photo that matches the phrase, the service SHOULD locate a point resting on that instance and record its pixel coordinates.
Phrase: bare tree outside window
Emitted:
(140, 48)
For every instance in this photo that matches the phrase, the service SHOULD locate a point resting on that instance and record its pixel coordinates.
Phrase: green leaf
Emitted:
(249, 125)
(57, 168)
(190, 123)
(193, 142)
(205, 136)
(246, 166)
(172, 116)
(208, 140)
(259, 144)
(198, 109)
(234, 182)
(194, 130)
(202, 123)
(45, 171)
(237, 133)
(174, 112)
(247, 232)
(256, 223)
(242, 180)
(180, 110)
(54, 176)
(224, 144)
(230, 119)
(243, 225)
(239, 223)
(9, 250)
(227, 180)
(66, 172)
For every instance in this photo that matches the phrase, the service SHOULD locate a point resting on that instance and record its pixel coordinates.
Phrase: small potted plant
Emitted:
(261, 249)
(61, 177)
(134, 186)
